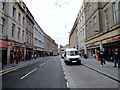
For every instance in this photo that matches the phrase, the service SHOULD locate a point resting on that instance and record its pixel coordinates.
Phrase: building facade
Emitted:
(81, 31)
(38, 40)
(50, 47)
(102, 27)
(18, 30)
(73, 38)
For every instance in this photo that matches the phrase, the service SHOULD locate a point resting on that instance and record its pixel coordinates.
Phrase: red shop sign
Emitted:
(11, 44)
(3, 43)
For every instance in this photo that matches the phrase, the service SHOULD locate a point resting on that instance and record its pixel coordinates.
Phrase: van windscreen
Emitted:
(72, 53)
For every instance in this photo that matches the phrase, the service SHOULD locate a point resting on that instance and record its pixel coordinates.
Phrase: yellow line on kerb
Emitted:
(8, 71)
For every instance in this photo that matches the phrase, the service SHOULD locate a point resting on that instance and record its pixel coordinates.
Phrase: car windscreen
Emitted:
(72, 53)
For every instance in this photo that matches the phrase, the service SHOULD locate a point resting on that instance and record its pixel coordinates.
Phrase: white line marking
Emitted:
(64, 73)
(28, 73)
(65, 77)
(67, 84)
(42, 64)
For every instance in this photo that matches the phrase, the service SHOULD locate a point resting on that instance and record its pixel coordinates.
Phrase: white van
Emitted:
(71, 56)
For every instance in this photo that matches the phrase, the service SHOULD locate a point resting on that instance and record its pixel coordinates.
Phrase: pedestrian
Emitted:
(15, 58)
(98, 55)
(102, 58)
(111, 55)
(32, 56)
(116, 56)
(35, 56)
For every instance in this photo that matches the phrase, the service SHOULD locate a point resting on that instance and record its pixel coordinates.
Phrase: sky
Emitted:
(55, 17)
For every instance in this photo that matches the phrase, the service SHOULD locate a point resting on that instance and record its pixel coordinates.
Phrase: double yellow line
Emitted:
(8, 71)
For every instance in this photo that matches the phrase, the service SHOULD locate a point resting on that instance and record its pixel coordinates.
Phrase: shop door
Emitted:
(4, 57)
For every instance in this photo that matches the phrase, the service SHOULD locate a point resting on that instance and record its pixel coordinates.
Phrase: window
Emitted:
(106, 19)
(89, 9)
(116, 12)
(94, 24)
(3, 6)
(13, 30)
(1, 25)
(23, 35)
(19, 17)
(87, 31)
(26, 37)
(23, 21)
(18, 33)
(90, 29)
(83, 34)
(14, 11)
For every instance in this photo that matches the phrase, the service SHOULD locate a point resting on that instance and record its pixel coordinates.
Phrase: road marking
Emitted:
(28, 73)
(65, 77)
(67, 84)
(64, 73)
(42, 64)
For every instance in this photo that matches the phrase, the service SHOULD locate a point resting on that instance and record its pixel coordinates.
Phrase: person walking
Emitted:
(102, 58)
(116, 58)
(15, 59)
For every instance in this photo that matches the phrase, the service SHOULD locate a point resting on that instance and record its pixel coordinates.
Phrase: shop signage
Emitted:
(3, 43)
(91, 44)
(114, 39)
(11, 44)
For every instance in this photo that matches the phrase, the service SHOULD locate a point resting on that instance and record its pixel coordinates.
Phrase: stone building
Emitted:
(101, 27)
(17, 33)
(50, 47)
(104, 27)
(73, 38)
(38, 40)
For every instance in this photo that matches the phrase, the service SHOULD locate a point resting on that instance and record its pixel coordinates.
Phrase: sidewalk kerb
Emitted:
(103, 73)
(18, 67)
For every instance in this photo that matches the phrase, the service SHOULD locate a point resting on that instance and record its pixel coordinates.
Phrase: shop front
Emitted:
(19, 50)
(3, 52)
(92, 49)
(39, 52)
(29, 53)
(110, 46)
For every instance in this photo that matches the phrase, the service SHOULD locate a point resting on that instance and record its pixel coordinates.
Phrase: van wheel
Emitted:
(67, 63)
(79, 62)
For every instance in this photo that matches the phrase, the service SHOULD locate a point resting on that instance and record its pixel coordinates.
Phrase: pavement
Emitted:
(107, 70)
(9, 67)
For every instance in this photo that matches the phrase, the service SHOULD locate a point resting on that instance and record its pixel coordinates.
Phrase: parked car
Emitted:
(71, 56)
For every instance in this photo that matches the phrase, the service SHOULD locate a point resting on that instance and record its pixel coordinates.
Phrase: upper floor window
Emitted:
(14, 12)
(19, 17)
(1, 25)
(18, 32)
(23, 21)
(13, 29)
(23, 33)
(107, 19)
(2, 5)
(116, 12)
(94, 24)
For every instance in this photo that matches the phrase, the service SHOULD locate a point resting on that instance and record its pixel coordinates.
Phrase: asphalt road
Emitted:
(51, 72)
(79, 76)
(47, 73)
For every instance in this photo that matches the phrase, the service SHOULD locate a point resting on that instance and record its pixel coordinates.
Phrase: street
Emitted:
(51, 72)
(47, 73)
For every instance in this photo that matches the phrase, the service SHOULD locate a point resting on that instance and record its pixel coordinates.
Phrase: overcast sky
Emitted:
(55, 17)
